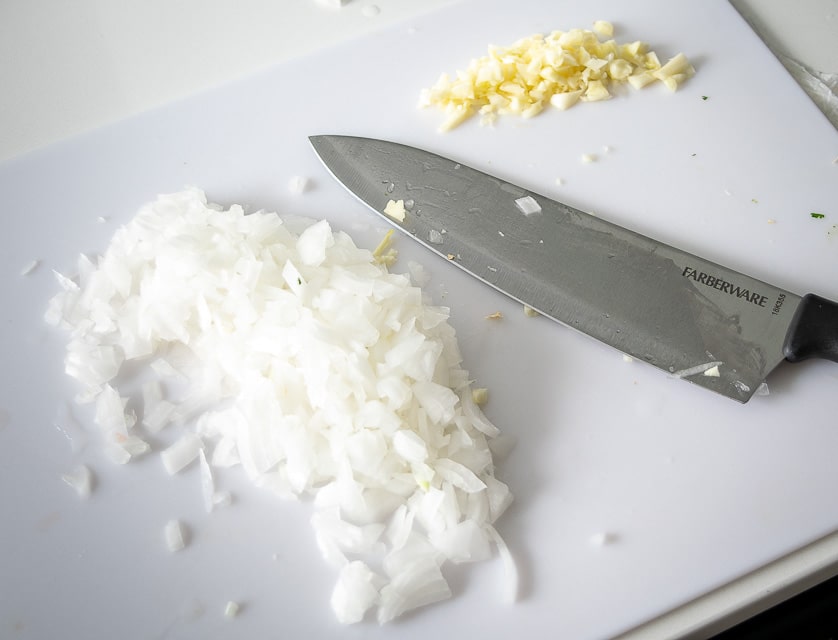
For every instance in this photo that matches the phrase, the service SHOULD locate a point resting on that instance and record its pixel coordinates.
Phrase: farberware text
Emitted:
(722, 285)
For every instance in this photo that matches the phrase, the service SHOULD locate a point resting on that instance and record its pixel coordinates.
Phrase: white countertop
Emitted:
(67, 68)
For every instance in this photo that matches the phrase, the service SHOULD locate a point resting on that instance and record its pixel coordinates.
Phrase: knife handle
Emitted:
(814, 330)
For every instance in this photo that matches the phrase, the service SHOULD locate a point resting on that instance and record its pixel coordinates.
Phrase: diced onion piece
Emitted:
(420, 584)
(336, 537)
(133, 445)
(355, 592)
(472, 411)
(181, 453)
(528, 205)
(231, 609)
(314, 242)
(176, 535)
(499, 497)
(166, 369)
(502, 446)
(121, 448)
(207, 481)
(110, 411)
(511, 590)
(463, 542)
(418, 273)
(410, 446)
(80, 479)
(459, 475)
(159, 415)
(116, 453)
(298, 185)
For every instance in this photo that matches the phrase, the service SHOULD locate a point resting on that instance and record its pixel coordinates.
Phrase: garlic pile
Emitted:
(559, 69)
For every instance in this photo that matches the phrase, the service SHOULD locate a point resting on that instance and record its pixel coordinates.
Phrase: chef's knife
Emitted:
(694, 319)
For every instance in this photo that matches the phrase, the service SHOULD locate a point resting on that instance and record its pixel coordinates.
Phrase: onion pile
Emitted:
(300, 358)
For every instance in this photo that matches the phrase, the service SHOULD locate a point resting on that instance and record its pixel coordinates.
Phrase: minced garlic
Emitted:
(396, 210)
(559, 69)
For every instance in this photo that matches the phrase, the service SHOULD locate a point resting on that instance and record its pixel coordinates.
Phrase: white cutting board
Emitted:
(696, 489)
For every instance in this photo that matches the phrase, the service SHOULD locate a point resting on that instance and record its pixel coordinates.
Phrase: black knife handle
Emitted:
(814, 330)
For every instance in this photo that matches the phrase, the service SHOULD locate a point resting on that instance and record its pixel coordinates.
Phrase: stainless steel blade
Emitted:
(694, 319)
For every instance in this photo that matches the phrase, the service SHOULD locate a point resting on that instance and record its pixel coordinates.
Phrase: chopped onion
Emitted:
(207, 482)
(415, 580)
(280, 346)
(298, 185)
(231, 609)
(116, 453)
(176, 535)
(464, 542)
(355, 592)
(122, 448)
(511, 590)
(181, 453)
(81, 479)
(528, 205)
(110, 411)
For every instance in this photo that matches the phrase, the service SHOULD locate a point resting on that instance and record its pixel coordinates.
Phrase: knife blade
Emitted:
(693, 318)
